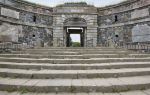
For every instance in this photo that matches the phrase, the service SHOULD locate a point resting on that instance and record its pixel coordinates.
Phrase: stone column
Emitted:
(92, 35)
(58, 32)
(58, 38)
(92, 29)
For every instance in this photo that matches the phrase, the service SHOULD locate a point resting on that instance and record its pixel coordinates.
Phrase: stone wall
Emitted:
(126, 22)
(26, 6)
(90, 32)
(10, 33)
(30, 23)
(34, 21)
(141, 33)
(38, 36)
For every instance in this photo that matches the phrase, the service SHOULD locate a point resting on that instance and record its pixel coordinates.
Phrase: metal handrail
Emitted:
(138, 46)
(10, 46)
(130, 46)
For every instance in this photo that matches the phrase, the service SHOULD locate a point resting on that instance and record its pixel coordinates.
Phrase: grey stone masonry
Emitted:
(76, 71)
(35, 25)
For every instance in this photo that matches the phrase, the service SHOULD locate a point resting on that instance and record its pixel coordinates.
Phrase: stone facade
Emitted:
(63, 13)
(42, 26)
(34, 21)
(129, 21)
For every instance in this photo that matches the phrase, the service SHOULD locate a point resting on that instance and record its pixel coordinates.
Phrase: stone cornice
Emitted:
(23, 23)
(126, 23)
(25, 10)
(125, 10)
(117, 5)
(76, 13)
(33, 4)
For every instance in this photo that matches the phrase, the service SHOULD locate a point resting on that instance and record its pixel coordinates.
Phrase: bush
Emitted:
(76, 44)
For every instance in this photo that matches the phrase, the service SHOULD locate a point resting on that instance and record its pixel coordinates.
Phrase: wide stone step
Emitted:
(71, 53)
(116, 55)
(47, 53)
(73, 74)
(73, 61)
(75, 50)
(44, 56)
(134, 92)
(84, 56)
(38, 66)
(81, 52)
(76, 85)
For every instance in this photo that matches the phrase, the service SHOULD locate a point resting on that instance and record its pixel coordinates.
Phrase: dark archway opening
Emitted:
(70, 39)
(77, 26)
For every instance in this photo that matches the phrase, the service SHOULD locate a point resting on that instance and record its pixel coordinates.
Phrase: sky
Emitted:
(97, 3)
(75, 37)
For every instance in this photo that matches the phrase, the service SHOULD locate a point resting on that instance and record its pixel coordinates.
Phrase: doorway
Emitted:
(75, 37)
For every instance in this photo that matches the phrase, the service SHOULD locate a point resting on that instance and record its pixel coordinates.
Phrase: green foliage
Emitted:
(23, 91)
(76, 44)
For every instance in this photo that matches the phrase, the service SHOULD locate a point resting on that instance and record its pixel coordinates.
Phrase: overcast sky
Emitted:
(97, 3)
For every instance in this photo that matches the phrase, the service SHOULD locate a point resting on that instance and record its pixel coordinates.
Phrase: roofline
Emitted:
(117, 5)
(33, 4)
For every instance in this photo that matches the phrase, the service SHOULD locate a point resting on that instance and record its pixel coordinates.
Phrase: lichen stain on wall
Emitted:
(141, 33)
(10, 33)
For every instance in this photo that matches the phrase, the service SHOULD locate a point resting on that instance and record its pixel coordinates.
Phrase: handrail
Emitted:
(130, 46)
(138, 46)
(13, 46)
(89, 43)
(9, 46)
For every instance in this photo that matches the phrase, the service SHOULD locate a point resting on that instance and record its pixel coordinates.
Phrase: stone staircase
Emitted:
(75, 71)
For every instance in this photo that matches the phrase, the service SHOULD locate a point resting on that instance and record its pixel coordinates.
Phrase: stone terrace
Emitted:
(75, 71)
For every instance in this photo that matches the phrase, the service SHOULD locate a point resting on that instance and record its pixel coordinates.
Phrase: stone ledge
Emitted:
(73, 74)
(21, 23)
(135, 92)
(76, 85)
(126, 23)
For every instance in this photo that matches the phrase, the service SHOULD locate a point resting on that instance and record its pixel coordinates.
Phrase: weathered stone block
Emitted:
(9, 13)
(140, 33)
(140, 13)
(10, 32)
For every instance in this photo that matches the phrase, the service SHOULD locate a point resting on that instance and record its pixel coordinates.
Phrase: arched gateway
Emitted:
(70, 19)
(75, 25)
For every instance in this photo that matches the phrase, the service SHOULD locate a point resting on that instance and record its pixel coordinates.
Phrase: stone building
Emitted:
(31, 24)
